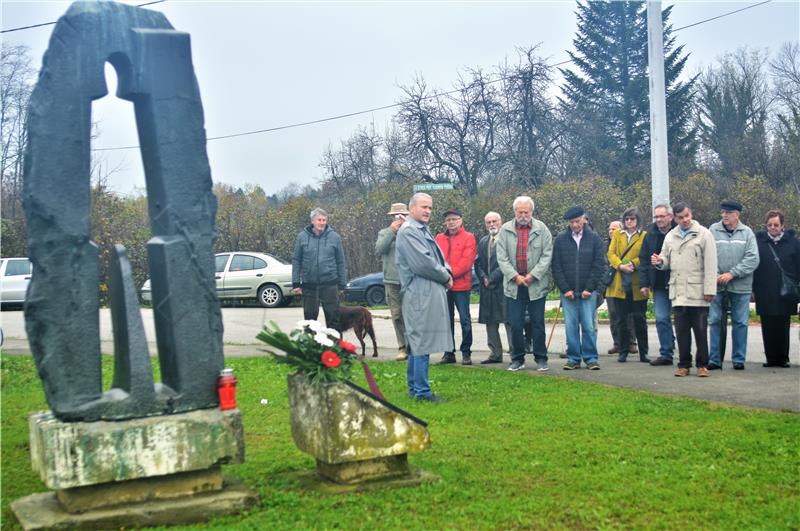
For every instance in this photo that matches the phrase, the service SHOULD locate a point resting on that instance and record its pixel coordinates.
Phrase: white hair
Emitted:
(492, 214)
(416, 197)
(522, 199)
(317, 212)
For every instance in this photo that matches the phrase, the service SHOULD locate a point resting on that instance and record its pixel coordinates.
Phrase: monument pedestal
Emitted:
(140, 472)
(358, 439)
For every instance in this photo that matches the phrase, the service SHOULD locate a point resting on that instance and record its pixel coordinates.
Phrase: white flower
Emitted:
(323, 340)
(331, 332)
(264, 402)
(316, 326)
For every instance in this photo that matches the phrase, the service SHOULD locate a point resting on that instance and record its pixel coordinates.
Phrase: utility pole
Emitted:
(659, 167)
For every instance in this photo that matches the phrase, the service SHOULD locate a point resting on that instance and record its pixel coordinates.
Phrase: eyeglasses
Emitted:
(629, 218)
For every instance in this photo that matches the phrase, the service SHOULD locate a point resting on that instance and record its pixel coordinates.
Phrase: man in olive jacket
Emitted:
(579, 262)
(425, 278)
(385, 249)
(524, 252)
(319, 269)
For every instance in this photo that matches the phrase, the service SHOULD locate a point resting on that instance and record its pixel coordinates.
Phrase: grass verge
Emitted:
(513, 451)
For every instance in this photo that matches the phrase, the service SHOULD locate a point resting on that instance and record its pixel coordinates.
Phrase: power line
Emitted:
(383, 107)
(51, 23)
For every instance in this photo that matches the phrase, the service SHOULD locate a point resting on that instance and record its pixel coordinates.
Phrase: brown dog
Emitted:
(360, 320)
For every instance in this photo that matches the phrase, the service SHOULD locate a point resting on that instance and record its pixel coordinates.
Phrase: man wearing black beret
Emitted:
(579, 261)
(737, 259)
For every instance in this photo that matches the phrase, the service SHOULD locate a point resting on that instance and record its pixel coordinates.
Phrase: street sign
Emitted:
(432, 186)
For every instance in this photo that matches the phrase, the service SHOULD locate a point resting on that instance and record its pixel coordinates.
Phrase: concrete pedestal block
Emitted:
(77, 454)
(354, 435)
(43, 511)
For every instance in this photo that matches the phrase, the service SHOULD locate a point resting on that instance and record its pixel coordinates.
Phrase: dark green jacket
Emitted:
(318, 260)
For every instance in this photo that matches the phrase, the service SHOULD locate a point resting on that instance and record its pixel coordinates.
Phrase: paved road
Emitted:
(756, 386)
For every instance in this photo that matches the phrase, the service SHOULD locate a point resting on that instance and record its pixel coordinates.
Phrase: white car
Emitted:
(245, 275)
(15, 275)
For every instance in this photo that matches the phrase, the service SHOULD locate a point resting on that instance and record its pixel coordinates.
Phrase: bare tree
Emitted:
(528, 131)
(454, 130)
(16, 84)
(733, 103)
(785, 69)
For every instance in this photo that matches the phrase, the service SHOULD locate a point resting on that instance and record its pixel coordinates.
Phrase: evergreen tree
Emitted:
(606, 95)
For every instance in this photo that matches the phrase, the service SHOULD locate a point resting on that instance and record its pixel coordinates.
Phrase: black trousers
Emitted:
(328, 296)
(690, 319)
(612, 304)
(775, 333)
(628, 309)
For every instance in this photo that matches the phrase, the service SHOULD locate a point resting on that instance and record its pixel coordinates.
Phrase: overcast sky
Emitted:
(266, 64)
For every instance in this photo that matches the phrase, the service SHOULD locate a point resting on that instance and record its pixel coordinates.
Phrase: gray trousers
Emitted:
(395, 301)
(494, 342)
(328, 296)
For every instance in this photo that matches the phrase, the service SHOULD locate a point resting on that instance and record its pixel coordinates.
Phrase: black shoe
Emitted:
(738, 366)
(713, 367)
(491, 360)
(661, 360)
(783, 365)
(447, 358)
(643, 358)
(431, 398)
(622, 358)
(466, 360)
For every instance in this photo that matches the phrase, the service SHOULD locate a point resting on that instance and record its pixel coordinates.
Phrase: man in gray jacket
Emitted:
(737, 258)
(424, 280)
(319, 269)
(385, 249)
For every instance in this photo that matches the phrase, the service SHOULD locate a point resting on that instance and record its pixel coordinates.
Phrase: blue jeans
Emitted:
(663, 309)
(579, 324)
(417, 374)
(516, 317)
(460, 300)
(740, 316)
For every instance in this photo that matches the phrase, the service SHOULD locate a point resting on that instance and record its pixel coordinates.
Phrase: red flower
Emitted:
(349, 347)
(330, 359)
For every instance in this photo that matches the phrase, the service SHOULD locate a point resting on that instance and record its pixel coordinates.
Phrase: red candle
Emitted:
(226, 386)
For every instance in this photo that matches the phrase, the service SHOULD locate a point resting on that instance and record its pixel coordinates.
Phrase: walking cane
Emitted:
(553, 328)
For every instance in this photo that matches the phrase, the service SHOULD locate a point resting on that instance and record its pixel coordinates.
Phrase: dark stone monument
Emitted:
(142, 453)
(154, 67)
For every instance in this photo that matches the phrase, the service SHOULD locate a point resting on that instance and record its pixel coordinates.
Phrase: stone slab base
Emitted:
(311, 480)
(43, 511)
(106, 495)
(77, 454)
(366, 470)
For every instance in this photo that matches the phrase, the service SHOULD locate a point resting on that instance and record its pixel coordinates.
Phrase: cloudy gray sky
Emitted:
(267, 64)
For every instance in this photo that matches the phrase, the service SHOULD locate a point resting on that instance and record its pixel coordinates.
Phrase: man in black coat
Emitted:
(579, 261)
(492, 309)
(657, 281)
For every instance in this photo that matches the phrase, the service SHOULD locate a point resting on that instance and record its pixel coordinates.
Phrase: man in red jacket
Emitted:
(459, 249)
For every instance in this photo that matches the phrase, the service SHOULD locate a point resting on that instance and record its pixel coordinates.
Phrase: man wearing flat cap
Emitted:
(459, 249)
(385, 249)
(737, 259)
(579, 262)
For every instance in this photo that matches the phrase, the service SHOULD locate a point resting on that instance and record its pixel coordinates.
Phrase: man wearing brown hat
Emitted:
(385, 249)
(459, 248)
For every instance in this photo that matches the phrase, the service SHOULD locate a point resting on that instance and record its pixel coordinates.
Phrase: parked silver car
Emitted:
(245, 275)
(15, 275)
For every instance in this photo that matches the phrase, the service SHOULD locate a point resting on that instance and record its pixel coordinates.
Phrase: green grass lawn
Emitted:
(513, 451)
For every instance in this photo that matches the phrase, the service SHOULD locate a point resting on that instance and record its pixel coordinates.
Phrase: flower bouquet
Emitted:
(314, 350)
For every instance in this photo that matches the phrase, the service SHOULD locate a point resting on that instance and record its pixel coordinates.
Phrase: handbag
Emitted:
(790, 291)
(609, 276)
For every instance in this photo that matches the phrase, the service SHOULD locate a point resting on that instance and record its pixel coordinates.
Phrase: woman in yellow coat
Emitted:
(623, 255)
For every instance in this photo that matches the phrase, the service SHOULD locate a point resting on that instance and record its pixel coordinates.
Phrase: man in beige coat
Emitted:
(690, 253)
